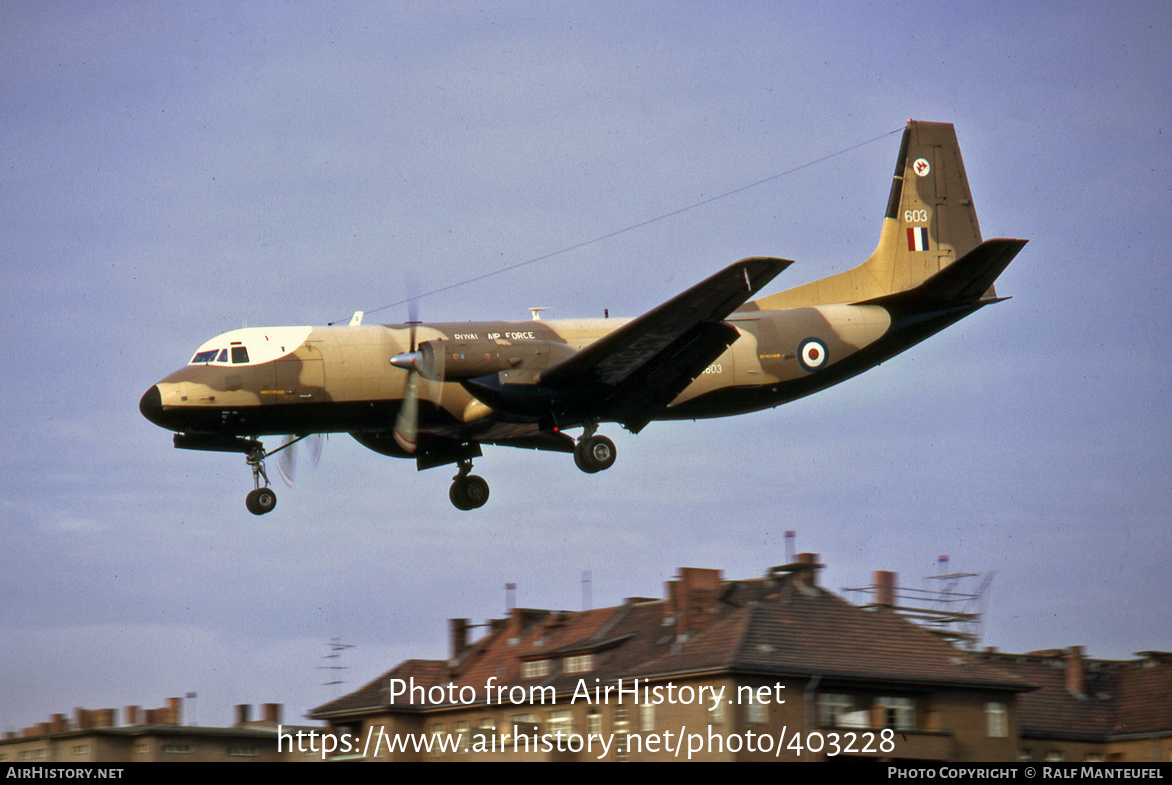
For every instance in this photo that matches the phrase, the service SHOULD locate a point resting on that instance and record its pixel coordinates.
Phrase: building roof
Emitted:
(782, 625)
(807, 631)
(1088, 699)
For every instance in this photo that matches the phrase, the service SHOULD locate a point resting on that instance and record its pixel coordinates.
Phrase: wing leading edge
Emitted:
(634, 372)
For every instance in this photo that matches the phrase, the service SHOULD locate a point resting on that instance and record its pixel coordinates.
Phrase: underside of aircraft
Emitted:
(437, 392)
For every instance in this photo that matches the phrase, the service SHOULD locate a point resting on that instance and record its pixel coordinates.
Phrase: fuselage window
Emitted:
(239, 354)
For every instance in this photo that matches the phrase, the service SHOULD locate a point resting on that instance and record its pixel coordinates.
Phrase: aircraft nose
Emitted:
(151, 405)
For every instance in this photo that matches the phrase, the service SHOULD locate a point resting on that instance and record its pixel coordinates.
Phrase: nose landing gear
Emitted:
(262, 500)
(259, 500)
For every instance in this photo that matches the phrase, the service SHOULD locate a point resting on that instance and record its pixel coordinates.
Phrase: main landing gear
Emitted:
(592, 453)
(468, 491)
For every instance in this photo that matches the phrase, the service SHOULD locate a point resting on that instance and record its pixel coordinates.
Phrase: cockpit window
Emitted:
(205, 357)
(239, 354)
(223, 358)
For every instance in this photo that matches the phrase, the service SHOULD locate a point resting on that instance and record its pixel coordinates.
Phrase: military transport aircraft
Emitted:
(437, 392)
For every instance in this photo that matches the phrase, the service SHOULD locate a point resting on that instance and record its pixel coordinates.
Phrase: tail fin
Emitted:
(930, 223)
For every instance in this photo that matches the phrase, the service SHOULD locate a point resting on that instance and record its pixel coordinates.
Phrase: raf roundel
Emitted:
(812, 354)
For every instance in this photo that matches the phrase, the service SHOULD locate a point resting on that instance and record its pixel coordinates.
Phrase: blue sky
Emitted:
(175, 171)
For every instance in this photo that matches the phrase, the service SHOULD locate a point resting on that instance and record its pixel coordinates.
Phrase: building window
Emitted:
(756, 712)
(579, 663)
(560, 720)
(461, 737)
(898, 713)
(1055, 756)
(437, 738)
(81, 749)
(621, 729)
(647, 717)
(177, 749)
(243, 752)
(594, 722)
(523, 725)
(484, 732)
(832, 707)
(997, 720)
(534, 669)
(716, 713)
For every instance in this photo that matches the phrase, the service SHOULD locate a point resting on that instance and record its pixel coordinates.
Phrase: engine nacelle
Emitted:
(450, 360)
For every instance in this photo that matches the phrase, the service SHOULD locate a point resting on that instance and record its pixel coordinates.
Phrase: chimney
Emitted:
(271, 713)
(885, 588)
(1076, 679)
(81, 718)
(807, 569)
(692, 597)
(130, 715)
(102, 718)
(243, 710)
(58, 723)
(458, 636)
(174, 711)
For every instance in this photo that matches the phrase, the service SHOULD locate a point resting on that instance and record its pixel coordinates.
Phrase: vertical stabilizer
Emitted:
(930, 223)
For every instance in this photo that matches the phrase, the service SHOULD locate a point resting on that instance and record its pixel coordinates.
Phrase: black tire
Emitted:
(595, 454)
(468, 493)
(261, 501)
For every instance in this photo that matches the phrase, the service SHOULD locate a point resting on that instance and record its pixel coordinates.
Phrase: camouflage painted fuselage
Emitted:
(709, 352)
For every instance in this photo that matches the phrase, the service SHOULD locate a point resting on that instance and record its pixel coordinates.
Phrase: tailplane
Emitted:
(930, 223)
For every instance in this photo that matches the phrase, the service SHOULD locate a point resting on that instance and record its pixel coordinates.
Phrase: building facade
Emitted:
(1090, 710)
(152, 736)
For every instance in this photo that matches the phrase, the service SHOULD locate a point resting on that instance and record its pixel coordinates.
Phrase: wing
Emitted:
(634, 372)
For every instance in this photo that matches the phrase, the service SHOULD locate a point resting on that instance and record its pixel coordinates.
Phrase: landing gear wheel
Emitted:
(468, 492)
(594, 454)
(261, 501)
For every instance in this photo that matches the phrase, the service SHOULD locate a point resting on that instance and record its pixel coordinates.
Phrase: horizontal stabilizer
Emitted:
(961, 283)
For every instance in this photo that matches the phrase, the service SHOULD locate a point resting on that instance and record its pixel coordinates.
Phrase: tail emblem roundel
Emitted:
(812, 354)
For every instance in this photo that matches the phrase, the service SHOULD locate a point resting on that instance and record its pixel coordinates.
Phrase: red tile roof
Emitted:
(1118, 699)
(778, 625)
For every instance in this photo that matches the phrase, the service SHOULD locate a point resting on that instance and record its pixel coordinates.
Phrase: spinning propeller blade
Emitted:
(407, 421)
(287, 455)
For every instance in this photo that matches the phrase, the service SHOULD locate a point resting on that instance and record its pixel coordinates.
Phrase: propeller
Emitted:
(407, 421)
(287, 460)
